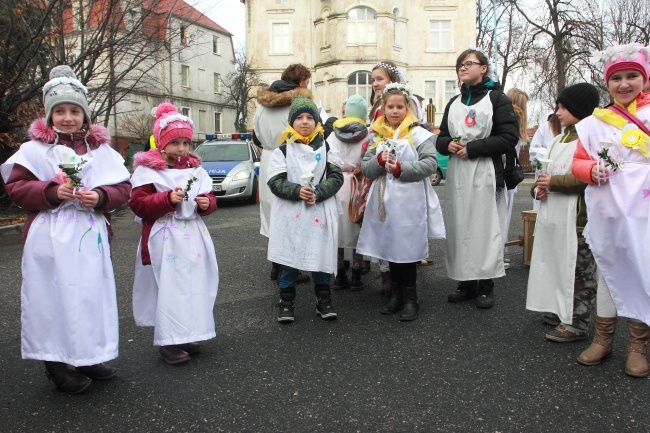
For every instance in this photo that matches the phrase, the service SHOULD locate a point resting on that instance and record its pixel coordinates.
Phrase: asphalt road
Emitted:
(455, 369)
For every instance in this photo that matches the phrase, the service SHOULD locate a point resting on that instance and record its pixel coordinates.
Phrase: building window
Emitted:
(280, 2)
(440, 35)
(185, 76)
(203, 119)
(216, 45)
(451, 89)
(184, 35)
(217, 83)
(280, 41)
(360, 83)
(217, 122)
(362, 26)
(202, 79)
(185, 111)
(430, 91)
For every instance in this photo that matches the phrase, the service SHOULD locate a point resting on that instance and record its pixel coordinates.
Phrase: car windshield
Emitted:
(224, 152)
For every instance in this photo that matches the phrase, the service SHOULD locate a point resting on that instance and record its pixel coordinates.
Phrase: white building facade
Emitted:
(340, 41)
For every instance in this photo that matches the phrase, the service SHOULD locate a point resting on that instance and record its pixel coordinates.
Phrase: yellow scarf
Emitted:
(290, 135)
(346, 121)
(385, 131)
(632, 138)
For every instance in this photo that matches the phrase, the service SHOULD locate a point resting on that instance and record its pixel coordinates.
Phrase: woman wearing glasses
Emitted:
(479, 126)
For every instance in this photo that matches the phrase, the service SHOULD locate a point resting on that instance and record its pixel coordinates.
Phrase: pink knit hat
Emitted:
(619, 57)
(171, 125)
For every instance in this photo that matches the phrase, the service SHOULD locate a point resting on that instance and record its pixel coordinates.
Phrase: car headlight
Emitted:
(241, 175)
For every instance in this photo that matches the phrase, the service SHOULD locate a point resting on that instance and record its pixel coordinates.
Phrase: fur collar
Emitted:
(40, 131)
(269, 98)
(154, 159)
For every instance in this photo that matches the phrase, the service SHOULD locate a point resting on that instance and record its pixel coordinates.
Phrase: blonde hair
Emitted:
(519, 100)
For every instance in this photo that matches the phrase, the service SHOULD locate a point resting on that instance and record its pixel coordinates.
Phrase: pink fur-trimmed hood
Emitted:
(154, 159)
(40, 131)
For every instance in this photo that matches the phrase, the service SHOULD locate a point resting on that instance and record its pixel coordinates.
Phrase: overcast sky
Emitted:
(229, 14)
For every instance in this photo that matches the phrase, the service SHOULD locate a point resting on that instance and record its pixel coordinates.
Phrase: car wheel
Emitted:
(436, 178)
(253, 198)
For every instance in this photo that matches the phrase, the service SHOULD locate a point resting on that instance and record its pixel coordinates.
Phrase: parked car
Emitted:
(232, 161)
(441, 173)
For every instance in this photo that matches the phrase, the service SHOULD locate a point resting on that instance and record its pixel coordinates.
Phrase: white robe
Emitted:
(303, 236)
(553, 262)
(176, 293)
(475, 215)
(413, 214)
(618, 231)
(68, 301)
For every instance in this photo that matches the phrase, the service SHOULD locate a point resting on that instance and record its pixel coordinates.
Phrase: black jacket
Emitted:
(505, 128)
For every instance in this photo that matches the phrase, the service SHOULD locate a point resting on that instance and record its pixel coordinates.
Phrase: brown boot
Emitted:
(66, 379)
(601, 347)
(638, 334)
(386, 284)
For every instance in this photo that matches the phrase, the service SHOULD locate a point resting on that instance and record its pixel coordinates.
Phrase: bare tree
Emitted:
(138, 126)
(237, 88)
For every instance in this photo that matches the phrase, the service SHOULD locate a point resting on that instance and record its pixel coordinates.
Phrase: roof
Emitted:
(182, 10)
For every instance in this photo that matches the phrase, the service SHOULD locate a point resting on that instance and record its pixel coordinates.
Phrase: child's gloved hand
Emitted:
(89, 199)
(176, 195)
(202, 202)
(307, 195)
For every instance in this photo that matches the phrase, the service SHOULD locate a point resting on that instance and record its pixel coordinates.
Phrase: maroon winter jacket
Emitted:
(150, 205)
(34, 195)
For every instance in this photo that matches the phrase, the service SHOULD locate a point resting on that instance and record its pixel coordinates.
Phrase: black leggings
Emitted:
(404, 274)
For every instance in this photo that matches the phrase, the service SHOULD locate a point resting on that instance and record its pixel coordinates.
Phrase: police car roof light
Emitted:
(245, 136)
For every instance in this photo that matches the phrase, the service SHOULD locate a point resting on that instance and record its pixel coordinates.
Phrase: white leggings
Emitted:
(604, 303)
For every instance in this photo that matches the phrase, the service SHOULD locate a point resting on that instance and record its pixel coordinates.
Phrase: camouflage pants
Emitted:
(584, 289)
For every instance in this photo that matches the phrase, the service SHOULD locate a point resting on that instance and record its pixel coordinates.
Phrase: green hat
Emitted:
(302, 105)
(356, 106)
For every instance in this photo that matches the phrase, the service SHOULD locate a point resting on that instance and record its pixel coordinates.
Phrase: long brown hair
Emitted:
(519, 100)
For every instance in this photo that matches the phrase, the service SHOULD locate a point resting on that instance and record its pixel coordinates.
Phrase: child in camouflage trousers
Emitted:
(562, 280)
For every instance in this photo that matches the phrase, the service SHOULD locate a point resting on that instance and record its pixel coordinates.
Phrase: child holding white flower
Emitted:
(176, 273)
(402, 211)
(613, 157)
(304, 215)
(68, 301)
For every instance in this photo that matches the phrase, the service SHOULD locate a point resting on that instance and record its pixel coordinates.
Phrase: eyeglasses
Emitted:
(468, 64)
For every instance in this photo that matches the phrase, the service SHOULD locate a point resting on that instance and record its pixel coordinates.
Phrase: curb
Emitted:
(11, 234)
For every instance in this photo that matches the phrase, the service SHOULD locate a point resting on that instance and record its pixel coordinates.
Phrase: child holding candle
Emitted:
(68, 302)
(176, 273)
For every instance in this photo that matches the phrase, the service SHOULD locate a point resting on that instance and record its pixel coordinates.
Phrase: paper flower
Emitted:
(604, 155)
(71, 169)
(307, 178)
(193, 177)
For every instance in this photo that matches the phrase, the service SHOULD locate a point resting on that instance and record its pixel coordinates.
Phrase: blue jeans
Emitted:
(288, 277)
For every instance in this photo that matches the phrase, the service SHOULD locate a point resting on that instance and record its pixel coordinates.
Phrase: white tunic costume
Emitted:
(176, 293)
(348, 157)
(413, 213)
(552, 271)
(475, 215)
(618, 231)
(303, 236)
(68, 301)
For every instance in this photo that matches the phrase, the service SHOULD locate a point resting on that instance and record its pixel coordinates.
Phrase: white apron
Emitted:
(552, 270)
(348, 157)
(413, 213)
(302, 236)
(618, 231)
(475, 215)
(176, 293)
(68, 301)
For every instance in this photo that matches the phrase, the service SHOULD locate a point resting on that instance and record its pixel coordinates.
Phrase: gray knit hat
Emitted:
(64, 88)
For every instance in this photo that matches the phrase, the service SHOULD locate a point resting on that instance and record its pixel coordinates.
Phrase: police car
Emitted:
(232, 161)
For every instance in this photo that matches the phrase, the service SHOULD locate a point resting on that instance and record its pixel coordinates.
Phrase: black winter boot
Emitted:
(324, 306)
(485, 297)
(341, 282)
(396, 300)
(98, 371)
(411, 307)
(275, 271)
(465, 291)
(66, 379)
(285, 306)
